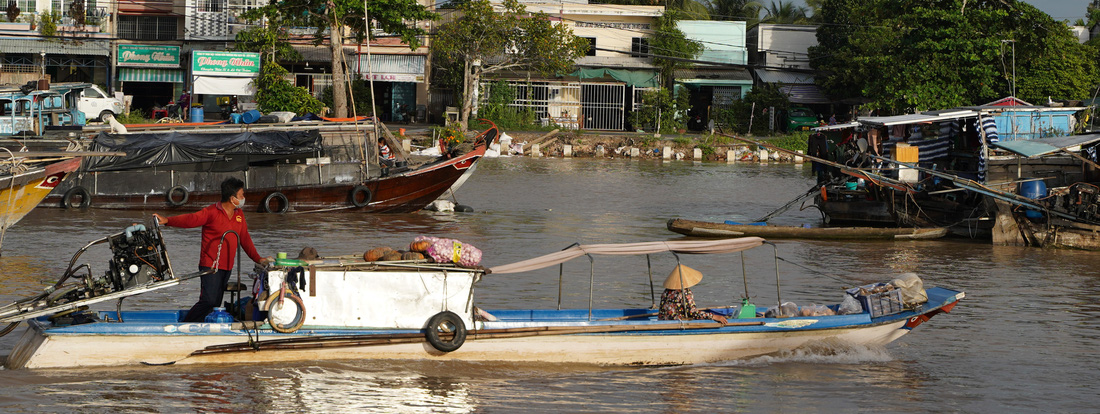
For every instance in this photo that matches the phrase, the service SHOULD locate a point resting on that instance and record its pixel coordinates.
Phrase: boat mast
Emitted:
(370, 80)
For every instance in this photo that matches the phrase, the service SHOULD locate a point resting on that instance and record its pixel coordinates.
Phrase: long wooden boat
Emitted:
(284, 171)
(723, 230)
(24, 183)
(351, 309)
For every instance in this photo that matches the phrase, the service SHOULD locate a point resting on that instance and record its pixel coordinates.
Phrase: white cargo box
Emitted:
(386, 299)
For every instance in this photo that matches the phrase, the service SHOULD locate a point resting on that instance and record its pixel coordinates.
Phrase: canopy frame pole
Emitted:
(683, 297)
(652, 290)
(561, 272)
(744, 275)
(775, 250)
(591, 282)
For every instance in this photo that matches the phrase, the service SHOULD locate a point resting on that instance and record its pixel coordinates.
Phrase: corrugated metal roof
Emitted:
(783, 76)
(917, 118)
(321, 53)
(717, 74)
(837, 127)
(804, 94)
(93, 47)
(1043, 146)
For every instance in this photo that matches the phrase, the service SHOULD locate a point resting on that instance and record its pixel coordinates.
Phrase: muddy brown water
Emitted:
(1024, 339)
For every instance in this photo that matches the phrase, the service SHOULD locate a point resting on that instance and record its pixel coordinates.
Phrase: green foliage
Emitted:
(795, 141)
(360, 94)
(451, 134)
(784, 12)
(747, 10)
(12, 11)
(683, 141)
(660, 105)
(939, 54)
(136, 116)
(495, 107)
(668, 40)
(736, 117)
(78, 12)
(275, 93)
(706, 149)
(47, 24)
(485, 40)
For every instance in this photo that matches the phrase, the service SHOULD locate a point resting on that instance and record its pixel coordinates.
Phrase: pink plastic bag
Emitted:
(452, 251)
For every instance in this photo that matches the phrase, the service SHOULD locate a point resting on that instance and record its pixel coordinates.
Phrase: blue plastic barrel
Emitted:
(235, 118)
(219, 315)
(251, 116)
(1034, 190)
(196, 114)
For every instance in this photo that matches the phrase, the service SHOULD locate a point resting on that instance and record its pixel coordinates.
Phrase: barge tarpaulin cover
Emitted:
(223, 151)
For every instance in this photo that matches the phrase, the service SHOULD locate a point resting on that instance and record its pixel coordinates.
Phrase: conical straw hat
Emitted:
(691, 277)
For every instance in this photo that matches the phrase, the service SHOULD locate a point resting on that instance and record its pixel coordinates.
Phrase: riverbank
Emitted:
(682, 146)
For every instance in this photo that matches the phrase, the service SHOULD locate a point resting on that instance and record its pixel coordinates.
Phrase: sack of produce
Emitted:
(912, 289)
(454, 251)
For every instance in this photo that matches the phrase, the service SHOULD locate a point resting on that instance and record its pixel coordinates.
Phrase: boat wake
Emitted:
(819, 353)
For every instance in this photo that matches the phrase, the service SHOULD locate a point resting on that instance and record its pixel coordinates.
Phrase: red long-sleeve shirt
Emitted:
(214, 222)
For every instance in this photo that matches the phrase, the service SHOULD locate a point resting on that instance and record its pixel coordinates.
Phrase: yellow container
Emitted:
(906, 153)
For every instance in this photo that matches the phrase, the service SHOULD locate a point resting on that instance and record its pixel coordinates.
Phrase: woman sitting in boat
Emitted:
(677, 303)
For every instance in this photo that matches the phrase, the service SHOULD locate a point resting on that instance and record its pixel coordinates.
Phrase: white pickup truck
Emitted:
(95, 103)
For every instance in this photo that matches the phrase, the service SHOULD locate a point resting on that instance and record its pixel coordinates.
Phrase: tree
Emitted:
(931, 54)
(332, 18)
(273, 91)
(670, 43)
(485, 41)
(784, 12)
(12, 10)
(735, 10)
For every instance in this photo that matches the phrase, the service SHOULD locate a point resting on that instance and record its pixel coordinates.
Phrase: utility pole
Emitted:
(1012, 120)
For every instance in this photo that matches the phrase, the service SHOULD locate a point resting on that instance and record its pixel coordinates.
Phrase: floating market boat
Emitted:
(348, 308)
(25, 181)
(726, 230)
(285, 169)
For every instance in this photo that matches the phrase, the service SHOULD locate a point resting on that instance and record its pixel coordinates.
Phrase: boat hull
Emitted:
(723, 230)
(544, 336)
(19, 194)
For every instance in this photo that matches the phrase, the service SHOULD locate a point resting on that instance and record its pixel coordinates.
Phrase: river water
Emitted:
(1024, 339)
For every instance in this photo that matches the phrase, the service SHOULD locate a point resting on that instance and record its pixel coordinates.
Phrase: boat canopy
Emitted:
(629, 249)
(160, 149)
(1043, 146)
(931, 116)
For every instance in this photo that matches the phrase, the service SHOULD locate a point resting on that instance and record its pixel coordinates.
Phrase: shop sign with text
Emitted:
(225, 63)
(145, 56)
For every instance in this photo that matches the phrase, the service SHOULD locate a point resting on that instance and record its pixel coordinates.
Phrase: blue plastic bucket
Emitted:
(235, 118)
(251, 116)
(197, 114)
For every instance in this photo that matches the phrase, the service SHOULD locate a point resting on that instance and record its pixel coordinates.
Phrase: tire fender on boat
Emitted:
(279, 317)
(360, 191)
(445, 322)
(282, 204)
(78, 191)
(171, 196)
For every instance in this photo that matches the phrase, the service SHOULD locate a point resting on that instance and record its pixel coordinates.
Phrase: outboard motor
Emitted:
(137, 258)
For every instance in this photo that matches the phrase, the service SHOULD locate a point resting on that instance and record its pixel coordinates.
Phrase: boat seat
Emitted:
(235, 287)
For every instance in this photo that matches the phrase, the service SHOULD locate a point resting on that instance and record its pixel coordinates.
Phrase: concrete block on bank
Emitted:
(567, 150)
(763, 155)
(731, 156)
(666, 153)
(697, 154)
(797, 159)
(635, 153)
(406, 144)
(600, 152)
(535, 152)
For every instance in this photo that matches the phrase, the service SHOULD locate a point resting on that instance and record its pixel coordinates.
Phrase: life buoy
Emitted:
(449, 323)
(360, 196)
(78, 191)
(286, 316)
(171, 196)
(282, 204)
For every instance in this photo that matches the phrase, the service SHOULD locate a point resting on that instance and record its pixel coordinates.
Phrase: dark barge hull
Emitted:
(280, 188)
(723, 230)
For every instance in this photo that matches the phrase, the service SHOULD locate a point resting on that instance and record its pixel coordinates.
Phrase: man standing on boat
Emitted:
(217, 219)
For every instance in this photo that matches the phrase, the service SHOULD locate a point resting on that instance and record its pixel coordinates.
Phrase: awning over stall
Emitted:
(635, 78)
(917, 118)
(1043, 146)
(150, 75)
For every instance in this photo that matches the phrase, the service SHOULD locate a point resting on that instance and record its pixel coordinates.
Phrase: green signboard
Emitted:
(208, 63)
(149, 56)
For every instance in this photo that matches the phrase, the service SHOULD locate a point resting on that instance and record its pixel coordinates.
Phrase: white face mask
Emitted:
(240, 204)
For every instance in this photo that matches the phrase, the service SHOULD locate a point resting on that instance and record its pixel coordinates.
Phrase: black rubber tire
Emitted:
(357, 192)
(169, 195)
(283, 203)
(78, 191)
(105, 112)
(443, 322)
(299, 317)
